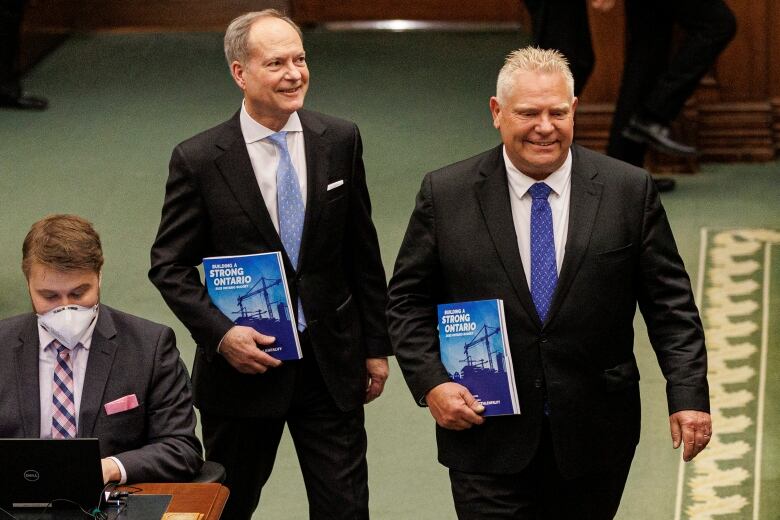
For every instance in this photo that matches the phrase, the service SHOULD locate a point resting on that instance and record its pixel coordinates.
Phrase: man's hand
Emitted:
(691, 428)
(239, 348)
(602, 5)
(377, 375)
(111, 471)
(453, 406)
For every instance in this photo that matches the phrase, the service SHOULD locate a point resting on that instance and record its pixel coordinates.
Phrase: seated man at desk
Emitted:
(77, 368)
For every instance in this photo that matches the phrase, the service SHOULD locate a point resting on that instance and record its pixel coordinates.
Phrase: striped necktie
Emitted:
(63, 419)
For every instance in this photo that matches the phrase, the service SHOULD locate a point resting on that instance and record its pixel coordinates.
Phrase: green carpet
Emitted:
(120, 103)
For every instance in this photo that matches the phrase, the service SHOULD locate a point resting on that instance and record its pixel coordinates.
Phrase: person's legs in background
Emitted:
(563, 25)
(11, 95)
(708, 26)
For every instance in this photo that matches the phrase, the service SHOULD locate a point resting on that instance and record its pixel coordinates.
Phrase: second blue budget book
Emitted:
(475, 351)
(252, 291)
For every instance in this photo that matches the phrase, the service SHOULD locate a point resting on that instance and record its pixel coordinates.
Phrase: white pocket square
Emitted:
(336, 184)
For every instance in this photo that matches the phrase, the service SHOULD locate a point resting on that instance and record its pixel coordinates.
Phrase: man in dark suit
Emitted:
(78, 368)
(230, 193)
(571, 241)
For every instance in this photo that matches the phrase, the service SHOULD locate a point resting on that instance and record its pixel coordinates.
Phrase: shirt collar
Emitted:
(45, 338)
(254, 131)
(557, 180)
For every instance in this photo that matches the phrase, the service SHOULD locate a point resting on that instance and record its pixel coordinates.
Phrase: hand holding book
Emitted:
(239, 348)
(453, 406)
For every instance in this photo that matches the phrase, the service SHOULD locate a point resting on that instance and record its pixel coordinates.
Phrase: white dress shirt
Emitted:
(265, 157)
(560, 182)
(47, 360)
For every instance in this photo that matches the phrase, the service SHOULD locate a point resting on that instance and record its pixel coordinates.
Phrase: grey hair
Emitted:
(237, 33)
(533, 59)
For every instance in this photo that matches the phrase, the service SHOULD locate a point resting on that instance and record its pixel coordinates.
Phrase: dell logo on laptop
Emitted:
(31, 475)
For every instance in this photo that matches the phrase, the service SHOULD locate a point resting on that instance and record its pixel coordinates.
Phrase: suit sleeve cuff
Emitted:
(378, 346)
(681, 397)
(219, 345)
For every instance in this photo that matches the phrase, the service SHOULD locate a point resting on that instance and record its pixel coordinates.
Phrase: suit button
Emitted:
(537, 383)
(543, 339)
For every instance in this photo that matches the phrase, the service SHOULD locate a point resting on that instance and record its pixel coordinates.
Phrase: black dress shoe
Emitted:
(664, 183)
(23, 102)
(656, 136)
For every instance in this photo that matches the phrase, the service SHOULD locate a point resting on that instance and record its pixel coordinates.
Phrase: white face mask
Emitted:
(68, 323)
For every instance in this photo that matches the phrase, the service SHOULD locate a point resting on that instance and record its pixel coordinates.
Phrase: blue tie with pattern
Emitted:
(290, 208)
(544, 273)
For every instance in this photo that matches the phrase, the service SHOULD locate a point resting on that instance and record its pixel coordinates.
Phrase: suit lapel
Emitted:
(492, 193)
(235, 166)
(583, 206)
(101, 358)
(317, 161)
(26, 359)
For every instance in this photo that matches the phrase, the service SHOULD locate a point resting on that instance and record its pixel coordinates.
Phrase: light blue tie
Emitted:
(544, 273)
(290, 208)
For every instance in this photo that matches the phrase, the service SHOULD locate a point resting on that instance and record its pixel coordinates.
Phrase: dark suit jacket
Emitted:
(213, 207)
(129, 355)
(461, 245)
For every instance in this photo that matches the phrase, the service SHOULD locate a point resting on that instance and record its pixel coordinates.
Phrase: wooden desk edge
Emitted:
(209, 498)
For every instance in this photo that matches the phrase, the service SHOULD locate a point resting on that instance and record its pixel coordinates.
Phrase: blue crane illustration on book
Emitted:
(258, 312)
(484, 380)
(474, 352)
(251, 290)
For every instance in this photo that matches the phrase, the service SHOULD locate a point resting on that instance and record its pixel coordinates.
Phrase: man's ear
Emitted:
(237, 71)
(495, 109)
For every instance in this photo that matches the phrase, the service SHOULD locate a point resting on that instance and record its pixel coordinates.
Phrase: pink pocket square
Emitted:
(122, 404)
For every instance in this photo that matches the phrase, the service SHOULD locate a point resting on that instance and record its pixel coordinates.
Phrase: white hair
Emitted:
(532, 59)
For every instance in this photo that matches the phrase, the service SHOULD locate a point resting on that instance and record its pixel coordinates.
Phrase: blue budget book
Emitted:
(252, 291)
(475, 351)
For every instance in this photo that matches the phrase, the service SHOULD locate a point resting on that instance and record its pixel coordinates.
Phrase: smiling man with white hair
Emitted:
(571, 241)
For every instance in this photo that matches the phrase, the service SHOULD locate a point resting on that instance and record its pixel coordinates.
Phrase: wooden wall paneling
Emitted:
(314, 11)
(608, 32)
(773, 15)
(736, 131)
(742, 67)
(139, 15)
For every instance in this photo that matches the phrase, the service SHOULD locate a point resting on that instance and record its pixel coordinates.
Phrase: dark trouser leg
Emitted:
(563, 25)
(247, 449)
(592, 497)
(648, 39)
(709, 26)
(331, 447)
(539, 492)
(10, 22)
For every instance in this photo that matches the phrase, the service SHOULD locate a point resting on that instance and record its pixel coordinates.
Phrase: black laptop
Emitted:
(62, 473)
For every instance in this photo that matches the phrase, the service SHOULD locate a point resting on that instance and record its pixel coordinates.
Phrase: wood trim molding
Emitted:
(735, 131)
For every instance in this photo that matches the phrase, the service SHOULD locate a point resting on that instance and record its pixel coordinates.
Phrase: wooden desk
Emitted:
(208, 499)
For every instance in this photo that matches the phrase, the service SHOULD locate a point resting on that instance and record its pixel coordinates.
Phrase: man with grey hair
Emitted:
(571, 241)
(276, 177)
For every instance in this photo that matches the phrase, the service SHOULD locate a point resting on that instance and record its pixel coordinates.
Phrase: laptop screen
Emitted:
(61, 472)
